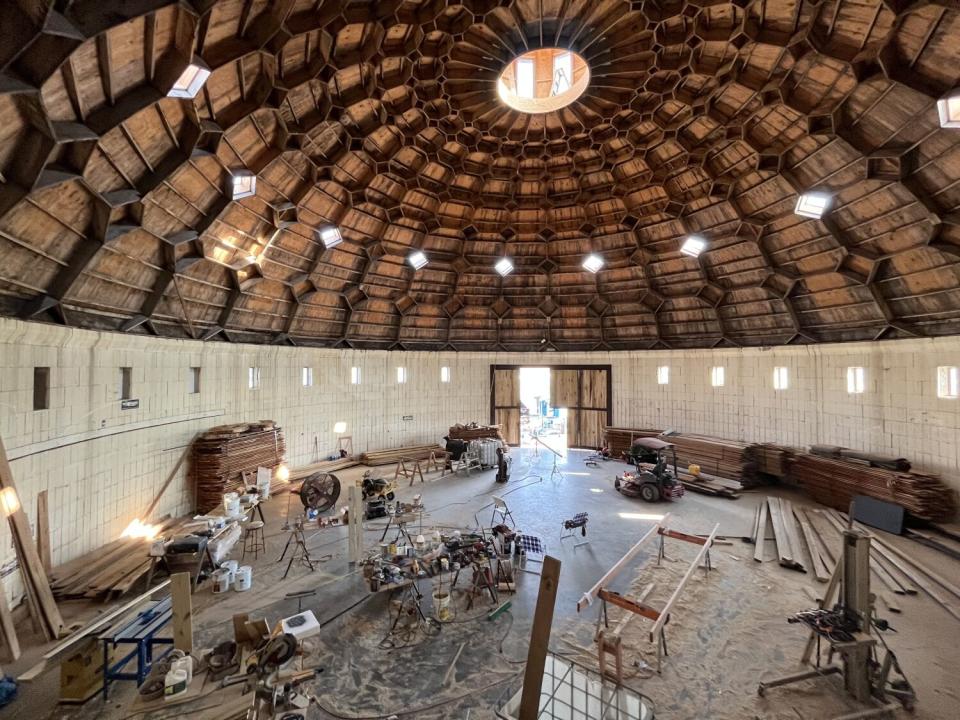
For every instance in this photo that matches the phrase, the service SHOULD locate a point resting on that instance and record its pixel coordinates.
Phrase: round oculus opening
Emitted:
(541, 81)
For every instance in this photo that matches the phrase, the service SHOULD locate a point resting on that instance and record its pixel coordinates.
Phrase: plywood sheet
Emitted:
(564, 388)
(594, 388)
(507, 388)
(509, 420)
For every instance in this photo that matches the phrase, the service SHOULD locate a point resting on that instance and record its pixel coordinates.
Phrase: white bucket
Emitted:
(441, 606)
(222, 579)
(243, 579)
(231, 566)
(231, 504)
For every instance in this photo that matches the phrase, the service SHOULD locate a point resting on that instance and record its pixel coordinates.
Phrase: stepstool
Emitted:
(254, 539)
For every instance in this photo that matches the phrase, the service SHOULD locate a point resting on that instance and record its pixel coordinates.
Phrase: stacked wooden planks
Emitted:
(109, 571)
(395, 455)
(329, 466)
(834, 483)
(765, 460)
(619, 440)
(475, 432)
(222, 454)
(715, 456)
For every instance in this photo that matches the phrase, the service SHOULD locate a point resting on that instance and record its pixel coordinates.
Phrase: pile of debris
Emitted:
(475, 431)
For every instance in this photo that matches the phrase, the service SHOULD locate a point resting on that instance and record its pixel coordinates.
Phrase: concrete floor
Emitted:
(728, 631)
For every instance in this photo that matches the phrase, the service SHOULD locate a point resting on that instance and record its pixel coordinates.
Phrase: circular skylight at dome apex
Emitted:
(544, 80)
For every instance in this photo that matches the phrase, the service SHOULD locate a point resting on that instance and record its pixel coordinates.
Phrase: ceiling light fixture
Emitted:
(244, 184)
(504, 266)
(949, 108)
(417, 259)
(191, 80)
(593, 263)
(693, 246)
(330, 236)
(812, 205)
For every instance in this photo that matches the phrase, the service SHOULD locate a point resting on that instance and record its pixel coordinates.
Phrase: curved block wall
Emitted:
(102, 465)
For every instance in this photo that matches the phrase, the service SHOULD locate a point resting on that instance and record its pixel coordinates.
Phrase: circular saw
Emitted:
(320, 491)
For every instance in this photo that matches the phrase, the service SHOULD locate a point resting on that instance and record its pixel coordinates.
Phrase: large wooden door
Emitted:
(506, 402)
(584, 392)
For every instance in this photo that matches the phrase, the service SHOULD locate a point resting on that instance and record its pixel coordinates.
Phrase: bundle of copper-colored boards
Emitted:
(395, 455)
(475, 432)
(715, 456)
(222, 454)
(619, 440)
(835, 483)
(763, 460)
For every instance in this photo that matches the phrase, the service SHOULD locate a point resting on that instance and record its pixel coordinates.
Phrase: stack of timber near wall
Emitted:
(619, 440)
(221, 454)
(394, 455)
(765, 460)
(834, 482)
(475, 432)
(715, 456)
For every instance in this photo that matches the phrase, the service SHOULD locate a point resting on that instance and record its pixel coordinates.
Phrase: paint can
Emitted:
(231, 566)
(244, 578)
(221, 580)
(384, 549)
(441, 606)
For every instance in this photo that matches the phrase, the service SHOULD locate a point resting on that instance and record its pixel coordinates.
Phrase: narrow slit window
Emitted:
(855, 380)
(717, 376)
(445, 374)
(126, 383)
(781, 378)
(306, 376)
(663, 375)
(41, 388)
(253, 378)
(401, 375)
(354, 376)
(193, 381)
(948, 382)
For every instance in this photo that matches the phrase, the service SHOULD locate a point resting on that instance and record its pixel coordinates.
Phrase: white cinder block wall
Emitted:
(102, 465)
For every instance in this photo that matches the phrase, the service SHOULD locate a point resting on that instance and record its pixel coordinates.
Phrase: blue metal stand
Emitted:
(140, 631)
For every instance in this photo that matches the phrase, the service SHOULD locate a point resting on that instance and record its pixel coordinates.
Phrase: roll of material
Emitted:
(244, 578)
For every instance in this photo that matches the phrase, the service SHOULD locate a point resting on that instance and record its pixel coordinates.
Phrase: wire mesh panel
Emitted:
(572, 692)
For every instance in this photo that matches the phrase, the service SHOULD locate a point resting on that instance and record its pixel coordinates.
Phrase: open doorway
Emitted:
(538, 418)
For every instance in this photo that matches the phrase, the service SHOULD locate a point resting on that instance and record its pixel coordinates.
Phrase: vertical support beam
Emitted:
(7, 629)
(539, 639)
(43, 531)
(355, 529)
(180, 590)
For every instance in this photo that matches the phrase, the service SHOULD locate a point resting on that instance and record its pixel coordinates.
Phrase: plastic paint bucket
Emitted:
(231, 566)
(221, 580)
(441, 606)
(243, 579)
(231, 504)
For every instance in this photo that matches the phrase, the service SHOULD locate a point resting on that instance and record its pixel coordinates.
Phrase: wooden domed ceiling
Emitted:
(382, 119)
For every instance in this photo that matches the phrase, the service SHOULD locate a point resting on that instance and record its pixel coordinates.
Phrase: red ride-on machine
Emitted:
(656, 483)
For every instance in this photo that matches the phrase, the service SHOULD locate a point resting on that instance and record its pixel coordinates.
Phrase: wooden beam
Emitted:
(7, 628)
(539, 639)
(628, 604)
(761, 533)
(43, 532)
(31, 567)
(590, 594)
(180, 590)
(665, 611)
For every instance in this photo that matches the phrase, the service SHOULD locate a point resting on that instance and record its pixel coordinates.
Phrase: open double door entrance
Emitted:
(564, 405)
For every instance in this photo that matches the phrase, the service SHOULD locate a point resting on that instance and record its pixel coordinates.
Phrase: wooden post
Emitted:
(34, 579)
(180, 589)
(355, 529)
(539, 638)
(43, 532)
(7, 627)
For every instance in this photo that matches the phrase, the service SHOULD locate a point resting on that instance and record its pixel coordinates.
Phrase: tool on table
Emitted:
(852, 631)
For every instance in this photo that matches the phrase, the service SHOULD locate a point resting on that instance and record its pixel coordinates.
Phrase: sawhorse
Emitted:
(141, 632)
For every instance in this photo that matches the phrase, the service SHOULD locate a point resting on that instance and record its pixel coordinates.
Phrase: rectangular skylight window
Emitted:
(306, 377)
(354, 376)
(812, 205)
(244, 184)
(417, 259)
(855, 380)
(663, 375)
(445, 374)
(330, 236)
(526, 78)
(190, 81)
(717, 378)
(949, 109)
(693, 245)
(593, 263)
(781, 378)
(504, 266)
(401, 375)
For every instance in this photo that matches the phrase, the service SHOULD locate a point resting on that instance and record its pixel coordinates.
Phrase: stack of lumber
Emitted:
(221, 455)
(765, 460)
(715, 456)
(619, 440)
(835, 483)
(704, 483)
(473, 431)
(395, 455)
(328, 466)
(111, 570)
